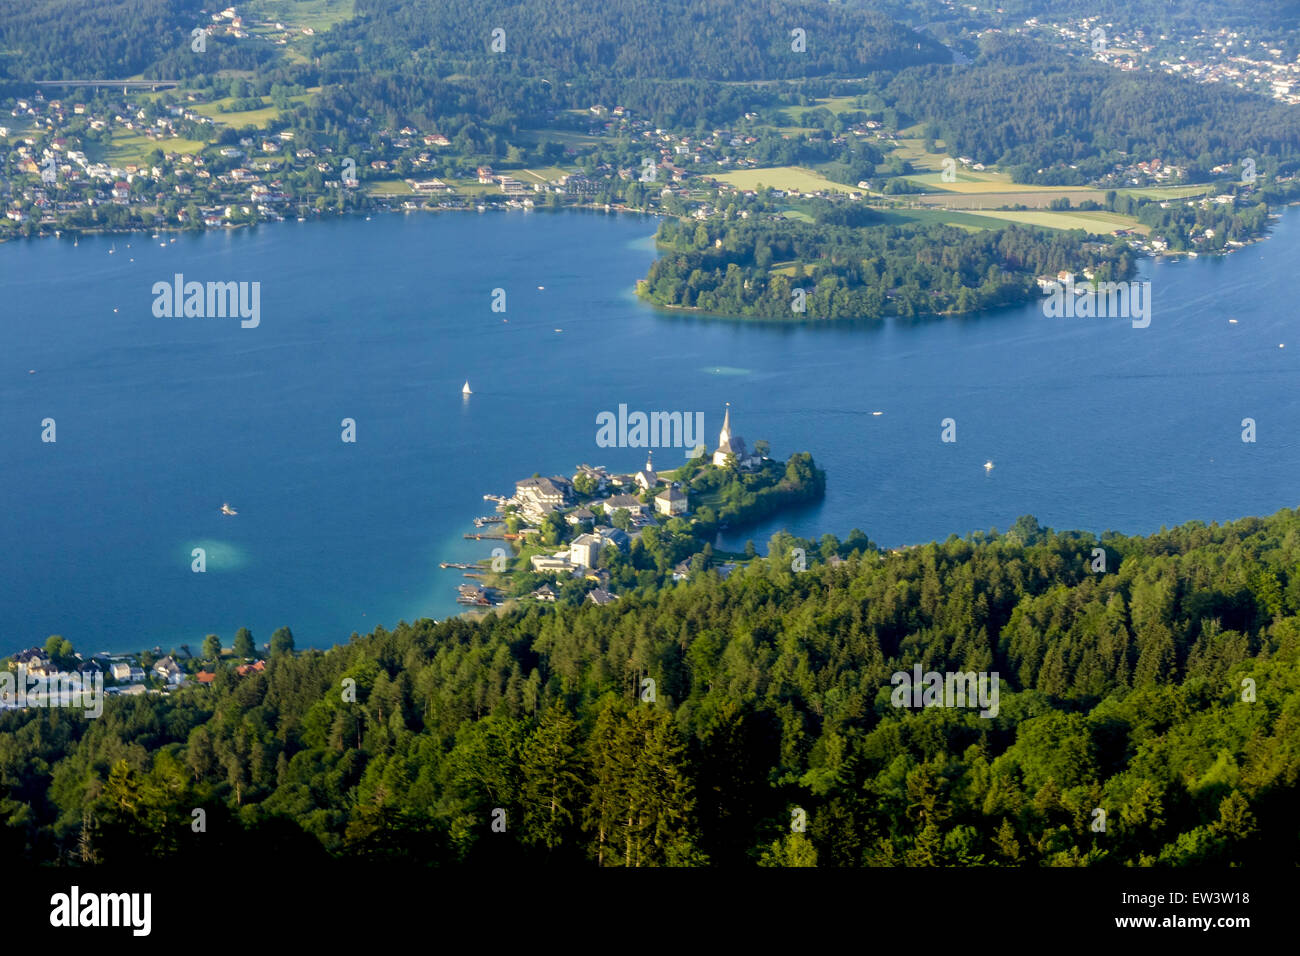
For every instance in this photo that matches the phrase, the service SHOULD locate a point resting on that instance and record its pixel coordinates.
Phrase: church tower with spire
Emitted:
(729, 444)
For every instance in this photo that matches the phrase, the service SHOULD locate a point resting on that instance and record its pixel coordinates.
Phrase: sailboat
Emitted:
(465, 389)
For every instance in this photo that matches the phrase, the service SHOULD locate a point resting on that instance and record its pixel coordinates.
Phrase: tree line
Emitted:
(1153, 679)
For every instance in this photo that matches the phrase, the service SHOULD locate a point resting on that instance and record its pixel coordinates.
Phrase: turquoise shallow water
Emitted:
(1089, 422)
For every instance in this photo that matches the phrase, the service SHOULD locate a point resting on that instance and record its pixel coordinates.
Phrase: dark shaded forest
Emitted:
(1153, 679)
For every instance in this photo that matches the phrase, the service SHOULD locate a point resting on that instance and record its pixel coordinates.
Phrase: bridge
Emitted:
(152, 85)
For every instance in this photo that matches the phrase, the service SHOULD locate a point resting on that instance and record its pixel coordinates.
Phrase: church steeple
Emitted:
(649, 465)
(725, 435)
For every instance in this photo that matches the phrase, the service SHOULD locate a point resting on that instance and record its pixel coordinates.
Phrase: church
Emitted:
(729, 444)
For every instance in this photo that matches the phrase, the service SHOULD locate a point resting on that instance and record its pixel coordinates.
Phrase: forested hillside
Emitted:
(1056, 120)
(703, 39)
(1163, 691)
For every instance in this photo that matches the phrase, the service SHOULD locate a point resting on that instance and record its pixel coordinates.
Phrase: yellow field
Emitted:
(1039, 199)
(1164, 192)
(1098, 222)
(973, 183)
(789, 178)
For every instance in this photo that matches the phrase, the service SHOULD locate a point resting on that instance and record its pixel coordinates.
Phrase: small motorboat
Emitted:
(227, 510)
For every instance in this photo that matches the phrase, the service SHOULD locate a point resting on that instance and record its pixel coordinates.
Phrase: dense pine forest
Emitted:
(1151, 678)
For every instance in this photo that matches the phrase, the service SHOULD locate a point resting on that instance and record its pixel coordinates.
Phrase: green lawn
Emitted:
(260, 118)
(320, 15)
(388, 187)
(134, 148)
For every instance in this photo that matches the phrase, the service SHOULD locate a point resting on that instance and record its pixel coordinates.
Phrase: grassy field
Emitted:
(388, 187)
(543, 174)
(789, 178)
(320, 15)
(135, 148)
(912, 150)
(836, 104)
(1098, 222)
(966, 220)
(979, 202)
(1165, 192)
(975, 183)
(259, 118)
(564, 137)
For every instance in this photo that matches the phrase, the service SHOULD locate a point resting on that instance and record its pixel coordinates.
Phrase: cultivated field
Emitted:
(789, 178)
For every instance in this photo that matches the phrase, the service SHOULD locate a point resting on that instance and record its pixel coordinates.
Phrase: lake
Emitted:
(1089, 423)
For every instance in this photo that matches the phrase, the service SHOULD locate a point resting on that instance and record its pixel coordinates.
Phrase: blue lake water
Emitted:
(1090, 423)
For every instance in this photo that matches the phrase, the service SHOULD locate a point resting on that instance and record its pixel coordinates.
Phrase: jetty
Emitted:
(488, 519)
(458, 566)
(490, 536)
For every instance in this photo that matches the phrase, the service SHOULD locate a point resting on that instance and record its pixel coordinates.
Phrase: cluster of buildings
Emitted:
(122, 673)
(1257, 64)
(645, 496)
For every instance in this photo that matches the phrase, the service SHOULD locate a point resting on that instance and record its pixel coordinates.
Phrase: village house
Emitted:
(170, 671)
(614, 502)
(35, 661)
(601, 597)
(671, 502)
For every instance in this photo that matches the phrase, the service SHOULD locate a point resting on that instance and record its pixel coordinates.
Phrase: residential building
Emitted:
(671, 501)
